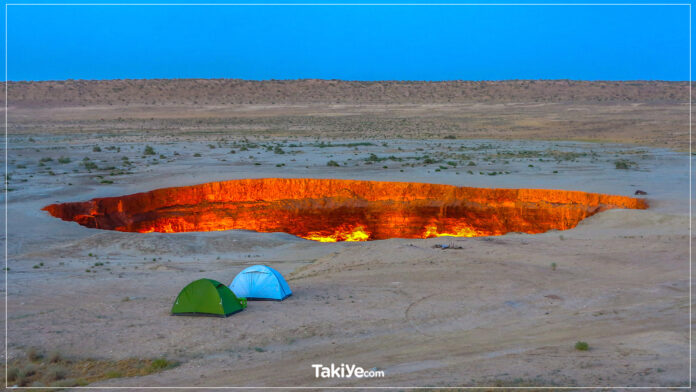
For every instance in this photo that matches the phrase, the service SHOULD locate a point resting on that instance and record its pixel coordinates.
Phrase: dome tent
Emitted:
(260, 282)
(207, 297)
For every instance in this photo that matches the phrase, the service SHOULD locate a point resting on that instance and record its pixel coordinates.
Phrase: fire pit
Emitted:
(342, 210)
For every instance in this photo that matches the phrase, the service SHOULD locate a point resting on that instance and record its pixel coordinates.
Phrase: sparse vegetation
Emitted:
(582, 346)
(56, 370)
(53, 356)
(149, 151)
(624, 164)
(325, 145)
(12, 374)
(113, 374)
(33, 354)
(55, 373)
(161, 364)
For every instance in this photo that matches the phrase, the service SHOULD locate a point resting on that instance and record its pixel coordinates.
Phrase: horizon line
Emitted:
(346, 80)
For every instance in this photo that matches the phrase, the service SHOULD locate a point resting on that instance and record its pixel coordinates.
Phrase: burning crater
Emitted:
(342, 210)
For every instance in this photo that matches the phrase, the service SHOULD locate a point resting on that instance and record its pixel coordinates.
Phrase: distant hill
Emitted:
(235, 91)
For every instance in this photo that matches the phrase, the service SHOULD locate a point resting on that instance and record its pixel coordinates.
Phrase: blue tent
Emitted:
(260, 282)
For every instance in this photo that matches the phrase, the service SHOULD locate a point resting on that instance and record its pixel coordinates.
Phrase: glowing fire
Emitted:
(342, 210)
(457, 231)
(357, 233)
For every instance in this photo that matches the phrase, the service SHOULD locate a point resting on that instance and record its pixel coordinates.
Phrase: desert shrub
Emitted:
(196, 155)
(582, 346)
(63, 160)
(71, 382)
(623, 164)
(22, 379)
(12, 374)
(149, 150)
(113, 374)
(33, 354)
(96, 149)
(332, 164)
(161, 364)
(27, 371)
(53, 357)
(55, 373)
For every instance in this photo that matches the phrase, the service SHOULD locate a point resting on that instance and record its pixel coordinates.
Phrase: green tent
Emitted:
(207, 297)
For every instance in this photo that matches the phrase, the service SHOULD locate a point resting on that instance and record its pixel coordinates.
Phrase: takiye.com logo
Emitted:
(345, 371)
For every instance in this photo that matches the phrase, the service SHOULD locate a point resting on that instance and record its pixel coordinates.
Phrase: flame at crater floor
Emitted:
(330, 210)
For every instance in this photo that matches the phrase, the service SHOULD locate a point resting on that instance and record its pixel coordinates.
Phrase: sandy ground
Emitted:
(638, 123)
(494, 312)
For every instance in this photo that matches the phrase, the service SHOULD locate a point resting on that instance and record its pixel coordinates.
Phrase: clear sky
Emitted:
(349, 42)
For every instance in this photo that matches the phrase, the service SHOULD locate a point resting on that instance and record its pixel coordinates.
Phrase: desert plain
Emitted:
(501, 311)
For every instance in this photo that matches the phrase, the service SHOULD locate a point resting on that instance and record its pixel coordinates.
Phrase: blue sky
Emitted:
(355, 43)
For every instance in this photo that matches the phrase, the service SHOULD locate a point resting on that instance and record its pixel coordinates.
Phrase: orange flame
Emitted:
(357, 233)
(342, 210)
